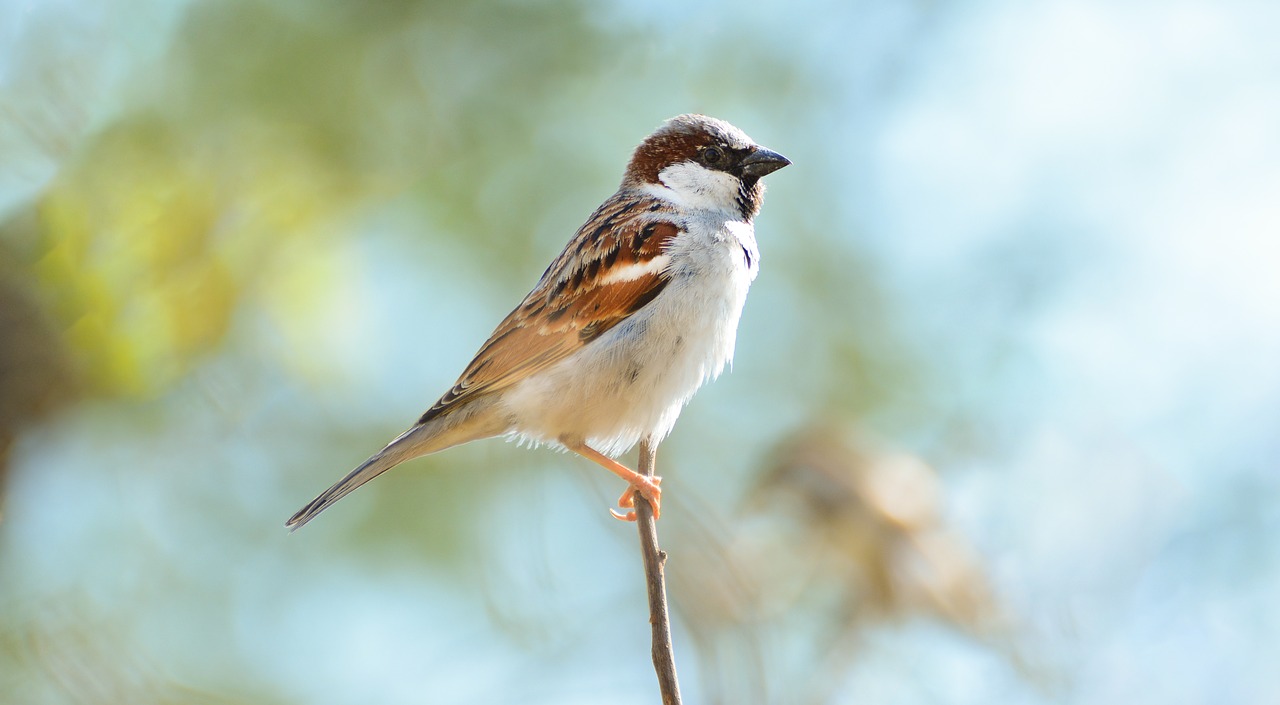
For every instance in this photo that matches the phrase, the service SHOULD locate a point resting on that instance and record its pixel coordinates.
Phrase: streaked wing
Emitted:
(613, 267)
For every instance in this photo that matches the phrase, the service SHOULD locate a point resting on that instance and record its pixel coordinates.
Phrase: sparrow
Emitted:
(639, 311)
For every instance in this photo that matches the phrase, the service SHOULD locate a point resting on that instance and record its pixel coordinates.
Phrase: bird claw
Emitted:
(647, 487)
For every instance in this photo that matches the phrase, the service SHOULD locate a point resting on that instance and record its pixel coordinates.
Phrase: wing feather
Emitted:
(613, 267)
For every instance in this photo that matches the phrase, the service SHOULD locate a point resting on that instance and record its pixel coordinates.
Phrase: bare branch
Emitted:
(664, 662)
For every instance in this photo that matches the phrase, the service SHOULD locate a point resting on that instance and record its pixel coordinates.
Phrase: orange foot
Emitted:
(646, 487)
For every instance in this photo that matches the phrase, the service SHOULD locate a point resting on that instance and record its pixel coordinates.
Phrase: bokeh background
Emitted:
(1002, 427)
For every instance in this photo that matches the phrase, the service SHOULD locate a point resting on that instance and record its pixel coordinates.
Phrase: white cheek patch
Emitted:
(631, 272)
(691, 185)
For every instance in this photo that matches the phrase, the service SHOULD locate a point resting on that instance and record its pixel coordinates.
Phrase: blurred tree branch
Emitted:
(664, 663)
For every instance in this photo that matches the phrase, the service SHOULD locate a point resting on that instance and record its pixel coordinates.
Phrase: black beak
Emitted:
(763, 161)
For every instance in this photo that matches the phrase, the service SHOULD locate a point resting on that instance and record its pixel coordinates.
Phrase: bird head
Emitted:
(701, 163)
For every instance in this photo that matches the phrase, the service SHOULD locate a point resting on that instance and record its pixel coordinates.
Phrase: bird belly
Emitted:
(633, 381)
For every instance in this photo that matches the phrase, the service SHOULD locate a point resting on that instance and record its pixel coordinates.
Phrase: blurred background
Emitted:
(1002, 425)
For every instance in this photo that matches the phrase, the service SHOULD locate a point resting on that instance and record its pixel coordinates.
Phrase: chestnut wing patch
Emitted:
(614, 266)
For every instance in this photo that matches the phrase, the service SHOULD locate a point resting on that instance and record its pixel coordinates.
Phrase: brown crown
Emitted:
(676, 141)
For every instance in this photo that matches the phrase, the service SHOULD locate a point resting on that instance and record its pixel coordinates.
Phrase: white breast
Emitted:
(633, 380)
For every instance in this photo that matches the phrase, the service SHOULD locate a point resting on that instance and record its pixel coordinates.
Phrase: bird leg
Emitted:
(646, 486)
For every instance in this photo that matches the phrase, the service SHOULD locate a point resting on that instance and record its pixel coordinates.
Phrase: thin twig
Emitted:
(664, 662)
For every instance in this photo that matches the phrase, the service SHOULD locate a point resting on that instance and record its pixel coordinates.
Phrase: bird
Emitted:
(638, 311)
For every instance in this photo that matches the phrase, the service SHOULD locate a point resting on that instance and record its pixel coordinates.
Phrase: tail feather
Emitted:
(416, 442)
(381, 462)
(445, 431)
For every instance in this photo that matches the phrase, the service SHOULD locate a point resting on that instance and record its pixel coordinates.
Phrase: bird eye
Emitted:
(712, 155)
